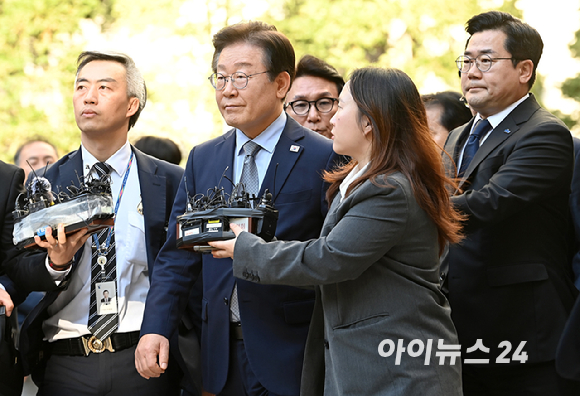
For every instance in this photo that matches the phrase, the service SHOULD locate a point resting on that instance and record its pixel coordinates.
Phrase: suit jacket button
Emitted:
(245, 274)
(442, 276)
(225, 300)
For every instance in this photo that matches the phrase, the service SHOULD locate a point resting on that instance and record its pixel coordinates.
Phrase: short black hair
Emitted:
(455, 113)
(158, 147)
(523, 41)
(312, 66)
(136, 87)
(278, 51)
(34, 140)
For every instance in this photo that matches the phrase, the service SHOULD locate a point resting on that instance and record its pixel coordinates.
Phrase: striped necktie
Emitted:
(101, 326)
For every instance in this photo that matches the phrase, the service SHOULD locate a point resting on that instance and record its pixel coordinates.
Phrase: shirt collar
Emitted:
(267, 139)
(118, 161)
(354, 174)
(496, 119)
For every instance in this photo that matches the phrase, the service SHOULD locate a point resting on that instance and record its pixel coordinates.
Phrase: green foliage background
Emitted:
(571, 86)
(170, 41)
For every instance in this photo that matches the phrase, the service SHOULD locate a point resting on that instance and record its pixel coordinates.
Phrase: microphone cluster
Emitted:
(208, 217)
(88, 204)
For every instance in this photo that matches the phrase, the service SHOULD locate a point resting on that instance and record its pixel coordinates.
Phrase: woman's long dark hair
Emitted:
(401, 142)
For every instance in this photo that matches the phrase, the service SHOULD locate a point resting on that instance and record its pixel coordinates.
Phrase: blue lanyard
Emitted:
(109, 234)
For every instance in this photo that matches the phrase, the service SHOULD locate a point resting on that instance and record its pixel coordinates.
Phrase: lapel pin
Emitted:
(507, 131)
(294, 148)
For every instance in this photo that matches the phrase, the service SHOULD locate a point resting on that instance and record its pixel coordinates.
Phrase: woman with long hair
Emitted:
(380, 319)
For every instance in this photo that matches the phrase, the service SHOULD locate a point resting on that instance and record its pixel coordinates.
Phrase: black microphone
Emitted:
(224, 175)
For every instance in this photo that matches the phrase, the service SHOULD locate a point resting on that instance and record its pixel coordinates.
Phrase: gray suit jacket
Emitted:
(376, 265)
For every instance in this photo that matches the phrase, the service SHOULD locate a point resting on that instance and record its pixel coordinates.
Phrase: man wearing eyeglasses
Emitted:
(252, 335)
(509, 281)
(313, 97)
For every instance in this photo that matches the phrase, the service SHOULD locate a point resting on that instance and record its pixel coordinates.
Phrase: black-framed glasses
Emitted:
(483, 62)
(239, 80)
(302, 107)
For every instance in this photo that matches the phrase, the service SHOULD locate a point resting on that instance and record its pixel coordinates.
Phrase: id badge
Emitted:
(106, 296)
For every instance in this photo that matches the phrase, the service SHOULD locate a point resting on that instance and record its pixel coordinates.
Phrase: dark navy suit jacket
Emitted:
(158, 180)
(575, 210)
(568, 354)
(510, 278)
(11, 178)
(275, 319)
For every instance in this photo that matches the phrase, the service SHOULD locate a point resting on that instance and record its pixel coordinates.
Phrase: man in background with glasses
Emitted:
(509, 281)
(313, 97)
(252, 336)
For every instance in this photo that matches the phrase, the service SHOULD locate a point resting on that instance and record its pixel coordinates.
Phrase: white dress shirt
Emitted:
(68, 315)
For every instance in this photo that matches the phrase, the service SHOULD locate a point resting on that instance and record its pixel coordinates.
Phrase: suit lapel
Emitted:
(224, 155)
(153, 198)
(508, 127)
(455, 141)
(70, 171)
(458, 140)
(504, 130)
(284, 158)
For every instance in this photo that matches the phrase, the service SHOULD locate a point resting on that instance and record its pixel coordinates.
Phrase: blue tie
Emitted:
(473, 144)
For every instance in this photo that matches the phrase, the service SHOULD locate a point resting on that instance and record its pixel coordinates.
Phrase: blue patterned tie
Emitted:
(101, 326)
(472, 145)
(251, 182)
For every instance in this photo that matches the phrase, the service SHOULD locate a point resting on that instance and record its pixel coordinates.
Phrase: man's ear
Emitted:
(133, 106)
(283, 83)
(526, 68)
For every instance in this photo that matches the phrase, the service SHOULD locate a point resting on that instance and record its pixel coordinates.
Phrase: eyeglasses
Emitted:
(302, 107)
(239, 80)
(483, 62)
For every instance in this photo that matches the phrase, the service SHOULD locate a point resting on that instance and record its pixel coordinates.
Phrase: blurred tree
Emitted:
(172, 47)
(421, 38)
(38, 49)
(571, 87)
(170, 41)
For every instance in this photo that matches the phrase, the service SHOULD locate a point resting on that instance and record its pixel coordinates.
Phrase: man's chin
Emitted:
(474, 101)
(230, 119)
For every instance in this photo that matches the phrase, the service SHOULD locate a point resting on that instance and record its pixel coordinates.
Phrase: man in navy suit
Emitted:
(509, 280)
(252, 335)
(11, 178)
(76, 359)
